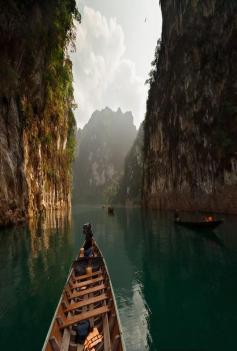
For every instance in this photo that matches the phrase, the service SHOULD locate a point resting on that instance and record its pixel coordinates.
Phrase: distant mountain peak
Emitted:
(103, 145)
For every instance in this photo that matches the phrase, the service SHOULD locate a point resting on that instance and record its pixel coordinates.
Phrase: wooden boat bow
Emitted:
(87, 298)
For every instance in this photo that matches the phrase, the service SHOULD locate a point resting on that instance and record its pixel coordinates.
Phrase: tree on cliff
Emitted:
(154, 65)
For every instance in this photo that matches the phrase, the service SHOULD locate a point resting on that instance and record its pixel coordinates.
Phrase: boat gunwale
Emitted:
(56, 310)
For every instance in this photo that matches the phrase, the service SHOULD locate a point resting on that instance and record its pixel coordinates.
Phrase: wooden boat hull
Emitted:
(110, 211)
(87, 296)
(199, 225)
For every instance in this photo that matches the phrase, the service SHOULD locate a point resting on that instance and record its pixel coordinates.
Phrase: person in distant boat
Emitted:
(87, 231)
(208, 219)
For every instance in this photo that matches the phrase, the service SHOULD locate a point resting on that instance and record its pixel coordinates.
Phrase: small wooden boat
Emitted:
(202, 224)
(86, 318)
(110, 210)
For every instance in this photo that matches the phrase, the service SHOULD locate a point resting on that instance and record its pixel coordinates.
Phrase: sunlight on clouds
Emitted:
(102, 75)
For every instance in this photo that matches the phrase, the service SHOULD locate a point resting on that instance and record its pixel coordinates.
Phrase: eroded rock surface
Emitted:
(191, 122)
(36, 119)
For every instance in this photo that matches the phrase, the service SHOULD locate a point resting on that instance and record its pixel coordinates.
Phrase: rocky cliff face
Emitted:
(13, 187)
(130, 185)
(191, 122)
(36, 119)
(103, 145)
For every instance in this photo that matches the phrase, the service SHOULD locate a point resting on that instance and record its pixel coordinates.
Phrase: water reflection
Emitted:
(42, 231)
(185, 278)
(41, 228)
(135, 318)
(34, 261)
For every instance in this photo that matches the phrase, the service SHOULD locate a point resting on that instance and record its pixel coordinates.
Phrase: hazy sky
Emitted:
(115, 46)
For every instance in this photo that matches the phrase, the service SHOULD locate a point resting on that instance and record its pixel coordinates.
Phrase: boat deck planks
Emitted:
(66, 340)
(87, 282)
(84, 315)
(86, 302)
(87, 291)
(85, 276)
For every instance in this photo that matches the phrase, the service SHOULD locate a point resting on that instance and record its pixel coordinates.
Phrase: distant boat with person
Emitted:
(110, 210)
(206, 222)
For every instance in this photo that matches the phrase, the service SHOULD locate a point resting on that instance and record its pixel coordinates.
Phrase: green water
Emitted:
(175, 289)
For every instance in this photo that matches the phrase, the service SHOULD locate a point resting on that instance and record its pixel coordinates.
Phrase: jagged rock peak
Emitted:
(108, 113)
(103, 145)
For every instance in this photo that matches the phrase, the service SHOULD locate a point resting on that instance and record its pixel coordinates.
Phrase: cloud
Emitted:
(102, 75)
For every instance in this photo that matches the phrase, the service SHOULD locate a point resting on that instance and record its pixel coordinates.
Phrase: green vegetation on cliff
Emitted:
(36, 95)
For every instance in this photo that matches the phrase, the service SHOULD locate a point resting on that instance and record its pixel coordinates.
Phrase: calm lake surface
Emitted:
(176, 289)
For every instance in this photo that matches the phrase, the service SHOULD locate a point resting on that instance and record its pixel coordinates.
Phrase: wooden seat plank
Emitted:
(66, 340)
(84, 315)
(85, 276)
(107, 344)
(86, 302)
(86, 291)
(87, 282)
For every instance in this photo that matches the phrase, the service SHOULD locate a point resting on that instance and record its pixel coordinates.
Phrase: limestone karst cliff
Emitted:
(130, 185)
(191, 122)
(103, 145)
(36, 100)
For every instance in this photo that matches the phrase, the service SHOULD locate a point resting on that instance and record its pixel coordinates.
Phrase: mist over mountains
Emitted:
(103, 145)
